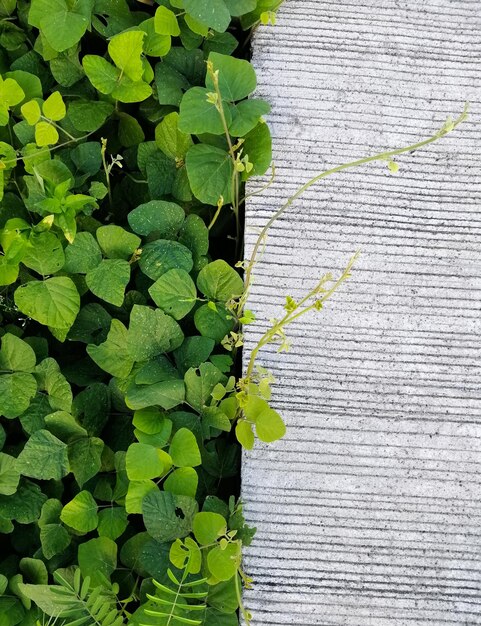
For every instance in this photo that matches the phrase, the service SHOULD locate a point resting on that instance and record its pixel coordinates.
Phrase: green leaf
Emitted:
(116, 242)
(82, 255)
(54, 107)
(199, 115)
(9, 474)
(184, 449)
(24, 505)
(223, 564)
(158, 257)
(64, 426)
(219, 281)
(97, 559)
(102, 74)
(212, 13)
(112, 522)
(81, 513)
(88, 115)
(245, 434)
(113, 355)
(208, 527)
(85, 458)
(16, 355)
(130, 131)
(62, 23)
(143, 462)
(199, 384)
(51, 380)
(246, 116)
(53, 536)
(16, 392)
(182, 482)
(53, 302)
(43, 457)
(136, 493)
(168, 517)
(155, 44)
(8, 272)
(214, 324)
(237, 78)
(44, 253)
(175, 293)
(167, 394)
(210, 172)
(166, 22)
(125, 50)
(194, 234)
(194, 351)
(269, 426)
(240, 7)
(173, 142)
(258, 147)
(45, 134)
(152, 421)
(158, 218)
(152, 332)
(109, 279)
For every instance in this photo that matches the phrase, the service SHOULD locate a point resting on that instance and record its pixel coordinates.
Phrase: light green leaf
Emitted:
(157, 217)
(46, 134)
(112, 522)
(143, 462)
(208, 527)
(113, 355)
(85, 457)
(223, 564)
(64, 426)
(31, 112)
(62, 23)
(97, 559)
(81, 513)
(44, 253)
(131, 91)
(269, 426)
(125, 50)
(16, 392)
(155, 45)
(152, 421)
(210, 172)
(51, 380)
(246, 116)
(199, 115)
(9, 474)
(54, 107)
(11, 93)
(109, 279)
(173, 142)
(184, 449)
(43, 457)
(219, 281)
(168, 517)
(212, 13)
(16, 355)
(182, 482)
(8, 272)
(175, 293)
(245, 434)
(136, 493)
(82, 255)
(53, 302)
(116, 242)
(166, 22)
(167, 394)
(237, 78)
(158, 257)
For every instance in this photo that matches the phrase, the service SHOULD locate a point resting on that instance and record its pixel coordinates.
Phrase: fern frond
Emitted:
(177, 604)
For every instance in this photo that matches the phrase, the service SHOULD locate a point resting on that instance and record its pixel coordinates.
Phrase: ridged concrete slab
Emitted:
(369, 511)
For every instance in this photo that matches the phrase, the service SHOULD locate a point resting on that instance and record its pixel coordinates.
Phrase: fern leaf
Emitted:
(172, 577)
(178, 618)
(178, 605)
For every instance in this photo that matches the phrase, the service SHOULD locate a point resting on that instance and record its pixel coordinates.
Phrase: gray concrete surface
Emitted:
(369, 511)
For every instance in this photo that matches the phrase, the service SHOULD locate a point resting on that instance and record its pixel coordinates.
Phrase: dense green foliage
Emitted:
(125, 137)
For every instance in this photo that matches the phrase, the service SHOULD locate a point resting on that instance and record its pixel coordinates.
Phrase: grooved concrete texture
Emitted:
(369, 511)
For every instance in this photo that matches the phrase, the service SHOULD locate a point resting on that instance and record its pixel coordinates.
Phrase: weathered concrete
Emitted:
(369, 511)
